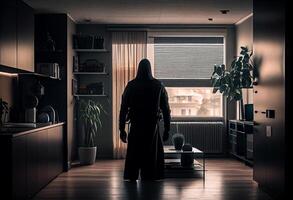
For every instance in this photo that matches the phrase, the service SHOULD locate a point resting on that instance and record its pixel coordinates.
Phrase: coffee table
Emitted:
(173, 162)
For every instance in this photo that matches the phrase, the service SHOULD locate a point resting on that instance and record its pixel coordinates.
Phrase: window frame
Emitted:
(179, 82)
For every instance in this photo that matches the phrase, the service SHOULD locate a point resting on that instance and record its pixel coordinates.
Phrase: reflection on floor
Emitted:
(226, 179)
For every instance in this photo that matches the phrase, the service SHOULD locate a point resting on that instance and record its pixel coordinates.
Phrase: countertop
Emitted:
(23, 131)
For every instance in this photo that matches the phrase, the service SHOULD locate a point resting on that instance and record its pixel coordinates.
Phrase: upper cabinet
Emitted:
(25, 37)
(17, 35)
(8, 33)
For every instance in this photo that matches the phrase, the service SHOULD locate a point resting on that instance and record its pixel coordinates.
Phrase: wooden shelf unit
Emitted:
(241, 140)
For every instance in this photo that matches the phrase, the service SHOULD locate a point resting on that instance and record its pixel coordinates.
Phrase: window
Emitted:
(203, 103)
(184, 65)
(187, 57)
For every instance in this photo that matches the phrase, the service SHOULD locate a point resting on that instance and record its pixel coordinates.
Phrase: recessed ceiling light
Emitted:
(224, 12)
(210, 19)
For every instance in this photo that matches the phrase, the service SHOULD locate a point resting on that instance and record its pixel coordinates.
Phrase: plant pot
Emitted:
(178, 141)
(87, 155)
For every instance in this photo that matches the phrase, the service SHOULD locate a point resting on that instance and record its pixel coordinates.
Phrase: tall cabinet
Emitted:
(59, 92)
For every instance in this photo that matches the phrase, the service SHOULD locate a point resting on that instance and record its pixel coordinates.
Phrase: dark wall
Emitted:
(269, 47)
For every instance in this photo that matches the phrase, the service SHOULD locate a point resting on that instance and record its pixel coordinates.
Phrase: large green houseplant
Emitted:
(231, 81)
(90, 117)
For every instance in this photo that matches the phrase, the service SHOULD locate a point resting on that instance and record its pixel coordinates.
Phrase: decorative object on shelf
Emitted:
(75, 64)
(50, 111)
(82, 89)
(231, 81)
(82, 41)
(39, 89)
(43, 118)
(95, 88)
(92, 65)
(50, 43)
(74, 86)
(248, 112)
(187, 158)
(49, 69)
(90, 116)
(98, 42)
(31, 102)
(4, 110)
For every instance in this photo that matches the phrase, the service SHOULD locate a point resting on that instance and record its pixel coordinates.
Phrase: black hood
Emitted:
(144, 71)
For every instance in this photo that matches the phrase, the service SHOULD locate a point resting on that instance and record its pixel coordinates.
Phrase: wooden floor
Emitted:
(226, 179)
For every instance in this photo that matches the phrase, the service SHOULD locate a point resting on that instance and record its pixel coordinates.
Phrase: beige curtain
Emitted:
(128, 48)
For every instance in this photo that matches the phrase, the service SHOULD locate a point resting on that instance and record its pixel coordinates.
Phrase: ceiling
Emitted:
(147, 11)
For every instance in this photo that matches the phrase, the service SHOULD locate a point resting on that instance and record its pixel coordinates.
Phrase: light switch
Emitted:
(268, 131)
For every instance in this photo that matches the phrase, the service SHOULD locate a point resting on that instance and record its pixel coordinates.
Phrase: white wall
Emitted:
(244, 37)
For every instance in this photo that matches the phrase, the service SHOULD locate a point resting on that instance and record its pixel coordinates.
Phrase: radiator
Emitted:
(206, 136)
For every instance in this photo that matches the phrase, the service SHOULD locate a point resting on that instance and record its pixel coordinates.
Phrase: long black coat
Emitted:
(142, 102)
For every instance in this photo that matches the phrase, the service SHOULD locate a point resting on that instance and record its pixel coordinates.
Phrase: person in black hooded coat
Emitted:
(143, 101)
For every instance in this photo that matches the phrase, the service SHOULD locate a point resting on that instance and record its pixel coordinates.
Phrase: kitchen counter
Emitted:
(33, 157)
(15, 132)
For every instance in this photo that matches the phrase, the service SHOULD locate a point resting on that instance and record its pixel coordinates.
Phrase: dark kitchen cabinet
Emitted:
(19, 167)
(25, 37)
(8, 33)
(17, 35)
(33, 156)
(35, 159)
(55, 158)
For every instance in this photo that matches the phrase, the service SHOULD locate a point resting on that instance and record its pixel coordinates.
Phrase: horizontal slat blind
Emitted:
(187, 57)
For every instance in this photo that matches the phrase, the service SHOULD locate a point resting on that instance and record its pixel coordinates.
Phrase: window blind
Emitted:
(187, 57)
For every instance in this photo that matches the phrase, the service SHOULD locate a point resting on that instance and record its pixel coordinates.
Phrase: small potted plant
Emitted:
(3, 111)
(90, 116)
(178, 139)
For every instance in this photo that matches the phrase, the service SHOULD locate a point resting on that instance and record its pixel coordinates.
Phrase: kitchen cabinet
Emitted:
(8, 33)
(17, 35)
(25, 37)
(19, 167)
(33, 159)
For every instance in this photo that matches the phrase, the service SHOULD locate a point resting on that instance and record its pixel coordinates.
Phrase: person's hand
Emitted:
(165, 135)
(123, 136)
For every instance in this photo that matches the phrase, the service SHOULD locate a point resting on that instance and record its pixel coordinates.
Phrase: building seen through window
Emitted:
(194, 102)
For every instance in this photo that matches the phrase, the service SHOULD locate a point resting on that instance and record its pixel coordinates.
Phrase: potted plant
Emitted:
(90, 116)
(3, 111)
(231, 81)
(178, 139)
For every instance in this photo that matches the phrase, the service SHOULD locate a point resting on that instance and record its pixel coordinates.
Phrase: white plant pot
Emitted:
(87, 155)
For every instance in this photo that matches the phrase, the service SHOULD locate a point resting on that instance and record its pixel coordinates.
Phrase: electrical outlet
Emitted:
(268, 131)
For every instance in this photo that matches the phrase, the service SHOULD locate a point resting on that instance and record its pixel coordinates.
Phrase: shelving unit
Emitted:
(241, 140)
(85, 74)
(90, 73)
(92, 50)
(90, 95)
